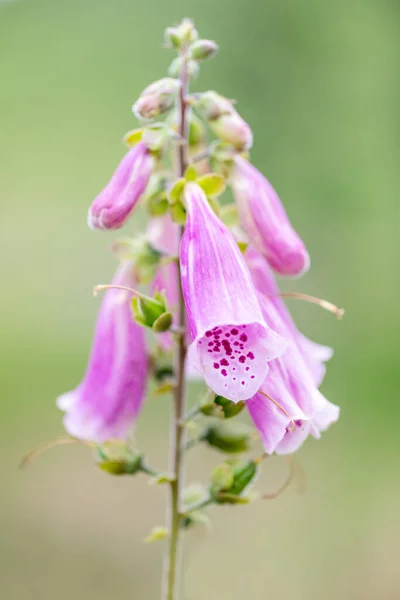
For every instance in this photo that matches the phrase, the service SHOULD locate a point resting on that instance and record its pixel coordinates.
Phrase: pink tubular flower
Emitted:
(232, 339)
(295, 408)
(111, 208)
(106, 403)
(266, 222)
(315, 355)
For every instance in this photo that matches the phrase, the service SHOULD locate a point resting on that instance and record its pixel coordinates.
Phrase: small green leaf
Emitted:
(212, 184)
(176, 192)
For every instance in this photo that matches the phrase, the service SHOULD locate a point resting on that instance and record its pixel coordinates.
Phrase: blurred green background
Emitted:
(318, 82)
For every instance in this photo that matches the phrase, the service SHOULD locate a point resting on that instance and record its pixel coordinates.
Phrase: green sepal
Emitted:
(176, 192)
(229, 409)
(133, 137)
(242, 246)
(163, 323)
(212, 184)
(243, 475)
(191, 173)
(178, 213)
(147, 310)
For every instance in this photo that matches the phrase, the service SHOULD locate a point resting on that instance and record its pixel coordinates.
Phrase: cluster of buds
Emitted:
(242, 342)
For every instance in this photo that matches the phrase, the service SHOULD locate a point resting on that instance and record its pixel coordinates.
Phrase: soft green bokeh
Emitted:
(318, 81)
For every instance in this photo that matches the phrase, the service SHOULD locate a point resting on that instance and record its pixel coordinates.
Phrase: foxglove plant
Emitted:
(199, 285)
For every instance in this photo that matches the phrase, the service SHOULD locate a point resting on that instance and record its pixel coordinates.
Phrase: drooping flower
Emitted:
(289, 405)
(266, 222)
(233, 341)
(315, 355)
(112, 207)
(107, 401)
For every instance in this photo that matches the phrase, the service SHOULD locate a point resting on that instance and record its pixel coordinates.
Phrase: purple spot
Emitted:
(234, 331)
(236, 343)
(224, 362)
(209, 350)
(216, 365)
(253, 377)
(228, 335)
(224, 373)
(242, 382)
(234, 368)
(250, 355)
(242, 359)
(243, 337)
(234, 378)
(210, 343)
(247, 368)
(208, 333)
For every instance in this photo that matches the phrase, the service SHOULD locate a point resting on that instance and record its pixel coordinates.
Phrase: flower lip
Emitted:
(234, 357)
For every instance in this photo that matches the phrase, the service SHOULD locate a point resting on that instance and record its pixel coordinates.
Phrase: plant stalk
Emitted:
(172, 560)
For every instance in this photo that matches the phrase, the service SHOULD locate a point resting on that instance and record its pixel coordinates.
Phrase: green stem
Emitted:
(172, 561)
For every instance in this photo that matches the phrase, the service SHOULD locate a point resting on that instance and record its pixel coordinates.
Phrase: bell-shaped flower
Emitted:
(112, 207)
(265, 220)
(233, 341)
(106, 403)
(315, 355)
(289, 406)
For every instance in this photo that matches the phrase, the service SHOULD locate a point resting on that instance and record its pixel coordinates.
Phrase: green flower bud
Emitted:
(231, 438)
(202, 49)
(115, 458)
(230, 409)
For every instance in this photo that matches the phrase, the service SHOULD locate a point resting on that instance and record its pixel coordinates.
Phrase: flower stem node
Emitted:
(232, 438)
(115, 458)
(203, 49)
(176, 66)
(157, 99)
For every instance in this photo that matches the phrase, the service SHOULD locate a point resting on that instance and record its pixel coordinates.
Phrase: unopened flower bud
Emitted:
(202, 49)
(157, 99)
(182, 34)
(232, 129)
(115, 458)
(232, 438)
(212, 105)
